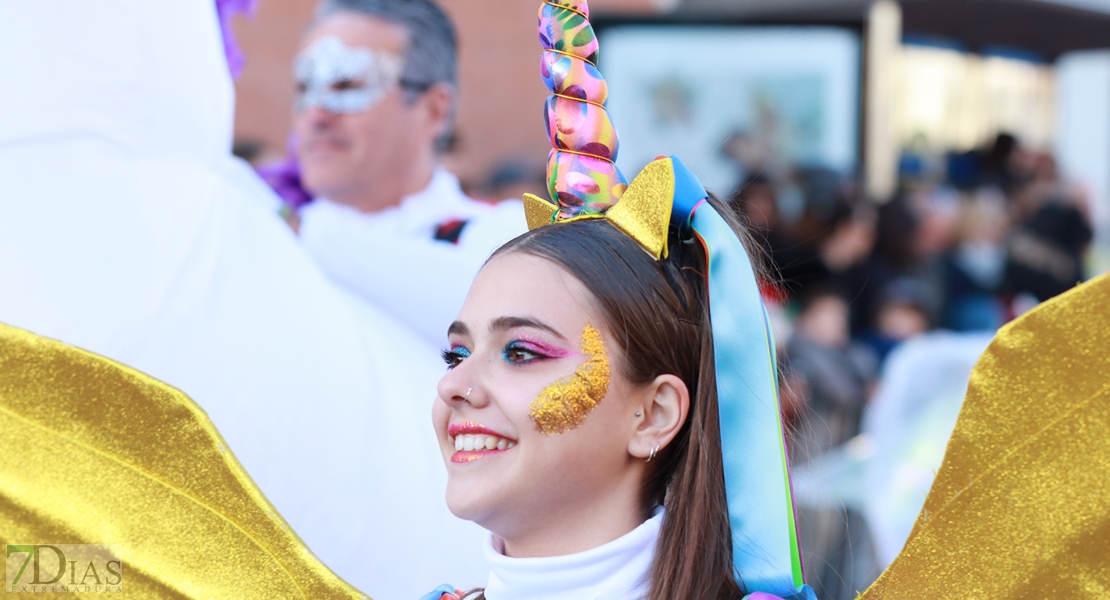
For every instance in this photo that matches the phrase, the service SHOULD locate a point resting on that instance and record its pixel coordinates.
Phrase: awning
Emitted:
(1044, 28)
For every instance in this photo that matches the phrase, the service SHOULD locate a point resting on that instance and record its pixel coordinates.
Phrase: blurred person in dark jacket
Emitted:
(1045, 252)
(902, 312)
(828, 251)
(832, 373)
(831, 377)
(974, 268)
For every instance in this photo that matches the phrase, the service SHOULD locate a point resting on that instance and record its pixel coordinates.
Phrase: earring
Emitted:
(637, 413)
(468, 390)
(654, 449)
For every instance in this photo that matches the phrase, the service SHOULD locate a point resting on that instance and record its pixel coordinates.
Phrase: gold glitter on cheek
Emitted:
(563, 405)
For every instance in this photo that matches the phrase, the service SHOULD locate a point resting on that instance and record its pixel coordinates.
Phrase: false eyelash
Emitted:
(452, 357)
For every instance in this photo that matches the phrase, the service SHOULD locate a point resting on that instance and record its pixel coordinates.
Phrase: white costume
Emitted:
(910, 421)
(127, 228)
(618, 570)
(392, 257)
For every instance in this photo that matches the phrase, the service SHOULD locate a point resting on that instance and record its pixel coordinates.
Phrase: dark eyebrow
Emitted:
(503, 323)
(458, 328)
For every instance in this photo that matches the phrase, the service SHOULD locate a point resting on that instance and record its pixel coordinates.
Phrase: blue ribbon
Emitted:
(757, 483)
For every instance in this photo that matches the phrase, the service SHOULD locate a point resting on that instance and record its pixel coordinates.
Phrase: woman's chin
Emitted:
(472, 499)
(467, 507)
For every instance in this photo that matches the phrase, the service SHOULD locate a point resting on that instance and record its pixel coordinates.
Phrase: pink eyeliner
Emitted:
(539, 347)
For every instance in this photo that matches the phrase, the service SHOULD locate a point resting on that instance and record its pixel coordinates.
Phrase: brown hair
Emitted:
(659, 314)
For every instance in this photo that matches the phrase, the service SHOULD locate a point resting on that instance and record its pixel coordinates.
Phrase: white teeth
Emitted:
(472, 443)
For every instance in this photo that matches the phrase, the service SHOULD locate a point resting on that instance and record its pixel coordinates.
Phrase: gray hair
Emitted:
(431, 54)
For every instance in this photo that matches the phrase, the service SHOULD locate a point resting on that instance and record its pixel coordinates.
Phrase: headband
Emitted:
(584, 183)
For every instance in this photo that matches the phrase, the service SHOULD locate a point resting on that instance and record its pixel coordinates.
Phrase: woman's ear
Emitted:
(665, 405)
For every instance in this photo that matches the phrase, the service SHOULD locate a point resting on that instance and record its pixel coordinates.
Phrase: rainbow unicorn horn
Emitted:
(581, 177)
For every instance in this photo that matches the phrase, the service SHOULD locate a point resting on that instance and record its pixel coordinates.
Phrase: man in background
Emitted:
(375, 107)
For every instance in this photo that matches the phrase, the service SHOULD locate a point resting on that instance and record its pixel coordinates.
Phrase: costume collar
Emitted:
(417, 213)
(616, 570)
(443, 189)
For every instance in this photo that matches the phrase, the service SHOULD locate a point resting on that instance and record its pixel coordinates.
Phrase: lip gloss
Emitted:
(464, 456)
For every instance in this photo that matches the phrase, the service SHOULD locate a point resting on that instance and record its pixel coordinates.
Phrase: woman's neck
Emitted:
(569, 528)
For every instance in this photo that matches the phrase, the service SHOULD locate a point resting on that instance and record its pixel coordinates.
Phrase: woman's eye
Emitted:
(454, 356)
(519, 354)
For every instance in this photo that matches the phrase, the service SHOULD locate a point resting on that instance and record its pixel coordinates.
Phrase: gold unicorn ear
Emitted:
(644, 211)
(538, 212)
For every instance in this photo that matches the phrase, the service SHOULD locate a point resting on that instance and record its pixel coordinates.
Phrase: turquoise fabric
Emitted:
(437, 593)
(764, 539)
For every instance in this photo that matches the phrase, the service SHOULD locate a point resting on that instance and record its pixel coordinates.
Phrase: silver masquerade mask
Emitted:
(342, 79)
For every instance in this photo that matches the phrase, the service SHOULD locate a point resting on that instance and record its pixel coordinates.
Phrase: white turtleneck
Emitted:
(618, 570)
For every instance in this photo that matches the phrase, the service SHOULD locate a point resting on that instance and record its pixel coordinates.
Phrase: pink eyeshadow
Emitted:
(542, 348)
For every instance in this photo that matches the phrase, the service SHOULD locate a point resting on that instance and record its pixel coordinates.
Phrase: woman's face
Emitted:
(533, 416)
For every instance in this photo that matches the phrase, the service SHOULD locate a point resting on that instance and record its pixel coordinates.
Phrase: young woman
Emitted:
(579, 418)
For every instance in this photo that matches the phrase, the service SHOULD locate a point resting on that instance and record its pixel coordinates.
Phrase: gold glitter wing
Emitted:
(93, 452)
(1021, 505)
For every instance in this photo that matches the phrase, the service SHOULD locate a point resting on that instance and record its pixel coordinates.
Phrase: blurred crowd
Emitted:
(970, 241)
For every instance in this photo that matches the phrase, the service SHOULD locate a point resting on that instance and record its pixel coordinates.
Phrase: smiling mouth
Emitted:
(472, 446)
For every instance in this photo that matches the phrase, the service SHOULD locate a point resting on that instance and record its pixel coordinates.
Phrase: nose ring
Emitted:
(468, 390)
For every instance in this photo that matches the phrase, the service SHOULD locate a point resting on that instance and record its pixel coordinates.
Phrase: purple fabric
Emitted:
(285, 177)
(227, 9)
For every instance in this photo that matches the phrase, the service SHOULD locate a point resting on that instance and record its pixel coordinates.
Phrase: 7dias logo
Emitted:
(63, 568)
